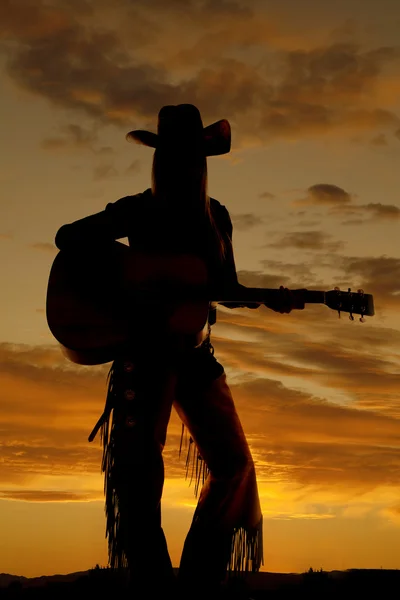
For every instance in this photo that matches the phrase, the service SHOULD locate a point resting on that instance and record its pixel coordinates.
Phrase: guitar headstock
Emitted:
(357, 302)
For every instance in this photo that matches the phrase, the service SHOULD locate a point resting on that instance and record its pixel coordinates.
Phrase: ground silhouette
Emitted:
(101, 582)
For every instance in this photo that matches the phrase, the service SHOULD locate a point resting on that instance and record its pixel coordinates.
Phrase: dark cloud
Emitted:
(325, 193)
(377, 275)
(306, 240)
(382, 211)
(245, 222)
(123, 74)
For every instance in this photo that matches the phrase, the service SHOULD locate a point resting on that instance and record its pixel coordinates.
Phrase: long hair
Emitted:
(179, 180)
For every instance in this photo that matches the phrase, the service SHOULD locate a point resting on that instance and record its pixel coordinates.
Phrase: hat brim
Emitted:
(217, 138)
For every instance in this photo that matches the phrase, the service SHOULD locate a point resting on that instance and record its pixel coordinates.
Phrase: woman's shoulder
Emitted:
(133, 202)
(221, 214)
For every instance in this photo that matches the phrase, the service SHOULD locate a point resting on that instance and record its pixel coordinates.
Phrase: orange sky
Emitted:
(312, 186)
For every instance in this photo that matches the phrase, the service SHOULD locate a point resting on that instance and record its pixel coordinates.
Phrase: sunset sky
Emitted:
(312, 92)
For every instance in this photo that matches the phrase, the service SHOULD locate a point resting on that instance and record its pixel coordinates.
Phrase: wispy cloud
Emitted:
(104, 172)
(380, 274)
(74, 136)
(267, 195)
(338, 203)
(381, 211)
(245, 221)
(306, 240)
(48, 496)
(379, 140)
(134, 167)
(44, 247)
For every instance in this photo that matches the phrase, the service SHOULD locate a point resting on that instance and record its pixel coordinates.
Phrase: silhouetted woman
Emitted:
(176, 216)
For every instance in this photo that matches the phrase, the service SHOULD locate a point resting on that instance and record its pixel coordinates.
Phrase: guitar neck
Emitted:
(262, 295)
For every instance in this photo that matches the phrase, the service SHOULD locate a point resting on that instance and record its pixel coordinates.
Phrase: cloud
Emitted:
(48, 408)
(75, 137)
(325, 194)
(47, 496)
(104, 172)
(310, 223)
(379, 140)
(377, 275)
(258, 279)
(245, 221)
(341, 203)
(382, 211)
(267, 195)
(44, 247)
(105, 150)
(304, 345)
(306, 240)
(134, 167)
(301, 273)
(120, 66)
(298, 436)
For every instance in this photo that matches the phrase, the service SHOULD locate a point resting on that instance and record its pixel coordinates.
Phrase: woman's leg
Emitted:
(226, 532)
(134, 472)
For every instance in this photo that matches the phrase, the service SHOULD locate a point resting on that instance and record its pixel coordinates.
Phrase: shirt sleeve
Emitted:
(230, 278)
(229, 268)
(103, 227)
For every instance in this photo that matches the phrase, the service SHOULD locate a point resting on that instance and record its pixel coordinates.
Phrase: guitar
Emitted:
(100, 302)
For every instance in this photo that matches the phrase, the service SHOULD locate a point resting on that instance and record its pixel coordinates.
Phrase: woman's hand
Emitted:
(286, 301)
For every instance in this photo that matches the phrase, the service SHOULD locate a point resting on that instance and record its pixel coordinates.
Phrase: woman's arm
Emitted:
(283, 304)
(230, 279)
(100, 228)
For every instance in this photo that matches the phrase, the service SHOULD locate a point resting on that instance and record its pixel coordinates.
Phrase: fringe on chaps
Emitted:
(245, 526)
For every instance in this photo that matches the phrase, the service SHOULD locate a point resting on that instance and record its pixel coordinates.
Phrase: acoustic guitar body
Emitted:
(103, 301)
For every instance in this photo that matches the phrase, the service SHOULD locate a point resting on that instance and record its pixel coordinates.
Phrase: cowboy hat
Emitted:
(180, 127)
